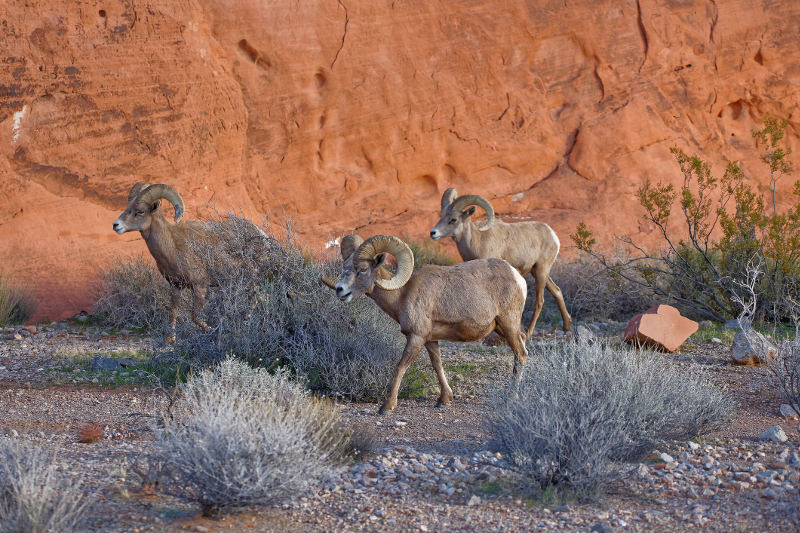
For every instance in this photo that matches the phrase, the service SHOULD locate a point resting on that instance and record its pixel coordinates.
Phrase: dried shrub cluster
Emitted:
(580, 408)
(134, 294)
(241, 437)
(34, 496)
(270, 308)
(16, 304)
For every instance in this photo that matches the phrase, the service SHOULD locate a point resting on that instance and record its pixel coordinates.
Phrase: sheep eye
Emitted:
(452, 221)
(139, 213)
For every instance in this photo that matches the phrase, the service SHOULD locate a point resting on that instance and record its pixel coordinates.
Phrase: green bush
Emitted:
(581, 408)
(16, 304)
(731, 231)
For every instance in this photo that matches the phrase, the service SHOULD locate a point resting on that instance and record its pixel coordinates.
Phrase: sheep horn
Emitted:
(401, 252)
(328, 281)
(154, 192)
(448, 197)
(136, 189)
(350, 244)
(473, 199)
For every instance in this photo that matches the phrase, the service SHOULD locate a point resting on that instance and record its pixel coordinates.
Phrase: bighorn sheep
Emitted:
(464, 302)
(170, 244)
(527, 246)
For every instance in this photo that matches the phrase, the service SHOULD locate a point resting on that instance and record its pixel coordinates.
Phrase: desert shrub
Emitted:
(241, 437)
(580, 408)
(133, 294)
(728, 226)
(16, 304)
(593, 291)
(34, 496)
(270, 308)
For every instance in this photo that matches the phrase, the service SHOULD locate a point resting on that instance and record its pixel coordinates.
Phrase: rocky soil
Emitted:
(427, 469)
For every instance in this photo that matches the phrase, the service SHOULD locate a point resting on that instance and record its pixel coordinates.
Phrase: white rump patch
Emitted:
(18, 116)
(520, 281)
(334, 242)
(555, 239)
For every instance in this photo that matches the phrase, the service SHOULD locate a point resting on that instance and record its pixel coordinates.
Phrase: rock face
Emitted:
(661, 327)
(358, 114)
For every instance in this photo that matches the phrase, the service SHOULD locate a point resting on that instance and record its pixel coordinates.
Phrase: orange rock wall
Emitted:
(357, 114)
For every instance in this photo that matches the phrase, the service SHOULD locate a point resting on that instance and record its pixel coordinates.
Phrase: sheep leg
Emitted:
(175, 300)
(516, 340)
(553, 289)
(198, 301)
(414, 344)
(445, 393)
(541, 280)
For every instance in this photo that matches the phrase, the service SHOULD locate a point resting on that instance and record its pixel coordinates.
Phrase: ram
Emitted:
(464, 302)
(187, 253)
(530, 247)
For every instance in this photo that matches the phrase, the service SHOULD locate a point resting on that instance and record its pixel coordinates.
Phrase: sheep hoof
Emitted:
(384, 410)
(441, 405)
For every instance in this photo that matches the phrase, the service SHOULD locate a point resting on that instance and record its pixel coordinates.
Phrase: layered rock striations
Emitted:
(357, 114)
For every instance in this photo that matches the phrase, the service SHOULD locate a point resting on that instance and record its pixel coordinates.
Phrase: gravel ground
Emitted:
(430, 469)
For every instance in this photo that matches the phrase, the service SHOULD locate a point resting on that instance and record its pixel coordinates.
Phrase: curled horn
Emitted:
(154, 192)
(350, 244)
(448, 197)
(473, 199)
(400, 250)
(136, 189)
(328, 281)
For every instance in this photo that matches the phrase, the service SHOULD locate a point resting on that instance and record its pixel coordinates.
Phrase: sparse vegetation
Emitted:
(34, 496)
(698, 271)
(581, 408)
(274, 312)
(427, 253)
(134, 295)
(241, 437)
(17, 305)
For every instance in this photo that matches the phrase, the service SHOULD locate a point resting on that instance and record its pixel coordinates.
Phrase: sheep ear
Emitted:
(155, 205)
(468, 212)
(380, 259)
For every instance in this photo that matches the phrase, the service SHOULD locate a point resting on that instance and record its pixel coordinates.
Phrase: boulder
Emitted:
(661, 327)
(774, 434)
(751, 348)
(100, 362)
(788, 412)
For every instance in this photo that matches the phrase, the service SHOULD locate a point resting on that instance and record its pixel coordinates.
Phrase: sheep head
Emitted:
(457, 211)
(144, 202)
(363, 260)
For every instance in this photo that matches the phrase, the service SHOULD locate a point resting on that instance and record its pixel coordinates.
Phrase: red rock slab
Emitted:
(661, 327)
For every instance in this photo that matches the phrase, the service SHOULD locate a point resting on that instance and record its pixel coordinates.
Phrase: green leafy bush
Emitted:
(730, 227)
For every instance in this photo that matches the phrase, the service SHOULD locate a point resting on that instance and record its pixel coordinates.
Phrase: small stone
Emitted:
(774, 434)
(751, 348)
(769, 493)
(667, 458)
(662, 327)
(787, 412)
(474, 500)
(693, 445)
(602, 527)
(715, 340)
(400, 423)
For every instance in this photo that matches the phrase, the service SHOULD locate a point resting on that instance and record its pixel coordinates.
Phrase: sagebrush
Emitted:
(272, 310)
(34, 496)
(241, 437)
(133, 294)
(582, 408)
(16, 304)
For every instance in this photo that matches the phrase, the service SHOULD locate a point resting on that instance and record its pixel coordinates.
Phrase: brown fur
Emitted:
(464, 302)
(530, 247)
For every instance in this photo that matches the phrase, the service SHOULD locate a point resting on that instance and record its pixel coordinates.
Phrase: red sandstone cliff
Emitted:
(357, 114)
